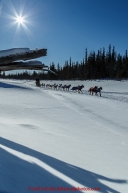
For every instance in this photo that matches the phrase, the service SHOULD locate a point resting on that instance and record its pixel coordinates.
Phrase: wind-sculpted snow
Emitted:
(52, 138)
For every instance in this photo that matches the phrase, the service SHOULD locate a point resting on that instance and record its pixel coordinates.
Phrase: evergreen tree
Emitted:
(119, 67)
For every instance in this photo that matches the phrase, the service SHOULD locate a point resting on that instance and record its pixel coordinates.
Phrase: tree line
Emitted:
(95, 65)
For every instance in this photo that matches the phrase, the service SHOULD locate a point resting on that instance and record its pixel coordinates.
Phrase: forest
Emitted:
(94, 65)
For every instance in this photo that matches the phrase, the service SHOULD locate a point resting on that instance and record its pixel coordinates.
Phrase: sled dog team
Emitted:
(64, 87)
(95, 90)
(78, 88)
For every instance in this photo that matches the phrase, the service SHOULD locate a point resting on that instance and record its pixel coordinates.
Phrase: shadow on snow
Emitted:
(6, 85)
(16, 174)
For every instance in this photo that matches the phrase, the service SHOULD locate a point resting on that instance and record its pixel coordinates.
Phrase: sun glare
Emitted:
(20, 20)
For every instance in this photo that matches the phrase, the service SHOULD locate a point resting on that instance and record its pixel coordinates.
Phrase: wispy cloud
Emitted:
(0, 7)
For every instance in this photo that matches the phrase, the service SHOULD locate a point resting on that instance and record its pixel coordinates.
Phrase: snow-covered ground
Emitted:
(63, 139)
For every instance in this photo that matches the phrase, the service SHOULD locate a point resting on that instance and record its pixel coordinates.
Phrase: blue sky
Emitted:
(65, 27)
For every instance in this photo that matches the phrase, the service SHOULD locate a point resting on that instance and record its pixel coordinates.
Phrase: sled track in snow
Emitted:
(117, 97)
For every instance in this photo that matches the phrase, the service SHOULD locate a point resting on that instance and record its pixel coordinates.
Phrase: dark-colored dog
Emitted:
(80, 88)
(95, 90)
